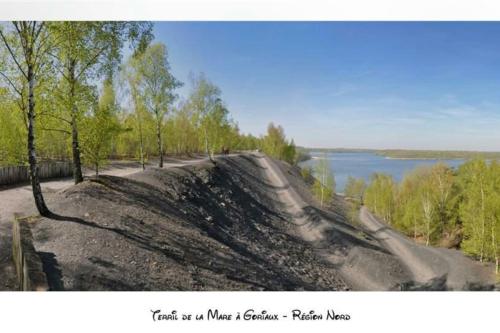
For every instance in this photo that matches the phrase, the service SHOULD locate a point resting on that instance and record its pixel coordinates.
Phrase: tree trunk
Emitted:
(494, 246)
(482, 224)
(207, 150)
(323, 180)
(77, 163)
(141, 140)
(322, 195)
(35, 181)
(160, 143)
(414, 228)
(428, 234)
(141, 151)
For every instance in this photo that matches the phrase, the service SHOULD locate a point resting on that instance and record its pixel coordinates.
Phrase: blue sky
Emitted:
(351, 84)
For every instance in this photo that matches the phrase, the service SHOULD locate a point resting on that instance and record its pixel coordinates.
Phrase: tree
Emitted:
(101, 127)
(355, 188)
(290, 152)
(408, 212)
(131, 76)
(185, 136)
(380, 196)
(12, 132)
(83, 51)
(324, 185)
(27, 44)
(276, 145)
(217, 128)
(204, 100)
(444, 186)
(157, 87)
(479, 209)
(427, 197)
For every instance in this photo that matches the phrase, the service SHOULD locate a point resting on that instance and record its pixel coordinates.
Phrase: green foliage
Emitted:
(12, 133)
(479, 209)
(78, 60)
(354, 193)
(100, 127)
(423, 204)
(324, 184)
(355, 189)
(380, 196)
(306, 173)
(437, 204)
(275, 144)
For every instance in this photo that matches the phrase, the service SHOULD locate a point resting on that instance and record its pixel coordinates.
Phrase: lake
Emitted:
(362, 165)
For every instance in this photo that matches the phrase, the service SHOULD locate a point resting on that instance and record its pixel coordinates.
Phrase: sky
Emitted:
(401, 85)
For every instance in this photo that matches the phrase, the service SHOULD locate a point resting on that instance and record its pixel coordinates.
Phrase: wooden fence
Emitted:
(20, 173)
(29, 266)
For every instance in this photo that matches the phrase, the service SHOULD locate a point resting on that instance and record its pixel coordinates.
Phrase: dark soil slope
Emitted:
(200, 227)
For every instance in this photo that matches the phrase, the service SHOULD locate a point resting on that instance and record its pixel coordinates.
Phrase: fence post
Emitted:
(29, 266)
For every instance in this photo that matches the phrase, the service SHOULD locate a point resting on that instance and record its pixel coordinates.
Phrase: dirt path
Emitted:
(362, 268)
(405, 249)
(430, 268)
(294, 203)
(20, 200)
(433, 268)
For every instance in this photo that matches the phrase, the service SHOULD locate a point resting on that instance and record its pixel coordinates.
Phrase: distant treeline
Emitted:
(438, 205)
(411, 154)
(437, 154)
(337, 150)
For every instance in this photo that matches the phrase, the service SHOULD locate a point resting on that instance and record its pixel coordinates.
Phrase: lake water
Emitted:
(362, 165)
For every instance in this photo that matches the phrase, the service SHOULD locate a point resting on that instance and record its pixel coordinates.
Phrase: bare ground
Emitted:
(246, 223)
(200, 227)
(405, 265)
(431, 268)
(18, 199)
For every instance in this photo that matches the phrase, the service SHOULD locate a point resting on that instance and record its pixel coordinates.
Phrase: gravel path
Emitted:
(19, 200)
(428, 268)
(362, 263)
(196, 227)
(432, 268)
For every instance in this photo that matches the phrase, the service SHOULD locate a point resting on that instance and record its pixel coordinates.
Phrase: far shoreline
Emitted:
(402, 154)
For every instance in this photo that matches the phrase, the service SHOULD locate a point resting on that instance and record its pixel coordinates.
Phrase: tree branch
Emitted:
(12, 54)
(57, 67)
(11, 83)
(90, 62)
(55, 130)
(55, 117)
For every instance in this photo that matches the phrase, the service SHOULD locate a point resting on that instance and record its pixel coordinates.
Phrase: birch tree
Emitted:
(131, 77)
(355, 189)
(84, 51)
(324, 184)
(157, 87)
(27, 44)
(380, 196)
(100, 128)
(473, 207)
(205, 97)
